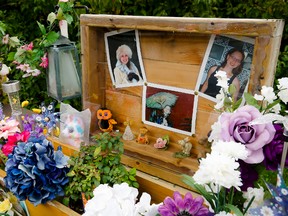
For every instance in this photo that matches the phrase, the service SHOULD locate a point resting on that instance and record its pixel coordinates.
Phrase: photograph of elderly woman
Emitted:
(231, 55)
(124, 58)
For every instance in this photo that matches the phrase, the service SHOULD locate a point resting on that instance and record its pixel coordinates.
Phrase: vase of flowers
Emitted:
(247, 142)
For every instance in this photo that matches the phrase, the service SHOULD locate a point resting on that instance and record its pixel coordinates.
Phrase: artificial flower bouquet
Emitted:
(247, 144)
(35, 172)
(121, 200)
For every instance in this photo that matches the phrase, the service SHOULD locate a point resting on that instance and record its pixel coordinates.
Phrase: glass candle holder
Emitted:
(11, 88)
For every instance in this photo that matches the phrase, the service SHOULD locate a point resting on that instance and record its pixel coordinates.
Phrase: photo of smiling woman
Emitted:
(232, 66)
(232, 55)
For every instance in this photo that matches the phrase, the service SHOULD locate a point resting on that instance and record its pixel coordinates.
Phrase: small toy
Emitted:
(48, 118)
(162, 143)
(73, 130)
(142, 137)
(105, 122)
(128, 135)
(186, 148)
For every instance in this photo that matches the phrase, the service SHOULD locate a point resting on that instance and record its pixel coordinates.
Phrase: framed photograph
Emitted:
(230, 54)
(169, 108)
(124, 58)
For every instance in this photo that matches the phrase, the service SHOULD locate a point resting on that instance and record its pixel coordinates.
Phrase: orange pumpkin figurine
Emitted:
(105, 121)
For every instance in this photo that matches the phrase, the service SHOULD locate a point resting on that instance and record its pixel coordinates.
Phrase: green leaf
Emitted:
(132, 178)
(200, 189)
(51, 38)
(273, 104)
(234, 209)
(250, 100)
(237, 104)
(68, 18)
(14, 41)
(65, 201)
(2, 28)
(42, 28)
(97, 152)
(232, 89)
(51, 18)
(106, 170)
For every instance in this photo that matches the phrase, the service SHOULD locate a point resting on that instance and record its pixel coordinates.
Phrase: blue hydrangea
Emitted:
(36, 172)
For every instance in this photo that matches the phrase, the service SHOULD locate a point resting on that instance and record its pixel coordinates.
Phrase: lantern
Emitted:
(63, 75)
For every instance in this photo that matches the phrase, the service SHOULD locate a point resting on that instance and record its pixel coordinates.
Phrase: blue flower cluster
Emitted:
(35, 172)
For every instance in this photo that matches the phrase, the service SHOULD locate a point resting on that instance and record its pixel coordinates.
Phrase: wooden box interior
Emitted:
(172, 51)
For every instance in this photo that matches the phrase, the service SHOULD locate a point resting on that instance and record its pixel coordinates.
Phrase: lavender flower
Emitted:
(35, 172)
(178, 206)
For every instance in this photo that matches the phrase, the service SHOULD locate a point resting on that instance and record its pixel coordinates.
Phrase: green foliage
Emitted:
(98, 163)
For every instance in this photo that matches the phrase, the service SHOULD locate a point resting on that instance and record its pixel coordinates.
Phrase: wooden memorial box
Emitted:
(172, 56)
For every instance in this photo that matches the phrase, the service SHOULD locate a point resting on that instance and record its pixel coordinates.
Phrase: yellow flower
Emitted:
(25, 103)
(56, 132)
(35, 110)
(5, 206)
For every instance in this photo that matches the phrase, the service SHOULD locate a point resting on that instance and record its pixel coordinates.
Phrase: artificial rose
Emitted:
(235, 127)
(13, 140)
(273, 151)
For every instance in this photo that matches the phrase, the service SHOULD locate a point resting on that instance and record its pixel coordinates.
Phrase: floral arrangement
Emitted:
(35, 172)
(119, 200)
(247, 142)
(9, 205)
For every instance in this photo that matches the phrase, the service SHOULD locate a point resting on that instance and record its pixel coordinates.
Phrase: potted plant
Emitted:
(95, 164)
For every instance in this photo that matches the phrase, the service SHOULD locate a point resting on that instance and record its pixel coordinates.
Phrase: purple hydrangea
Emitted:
(35, 172)
(178, 206)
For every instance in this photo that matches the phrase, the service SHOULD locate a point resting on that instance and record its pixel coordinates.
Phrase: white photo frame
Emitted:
(124, 41)
(216, 52)
(182, 103)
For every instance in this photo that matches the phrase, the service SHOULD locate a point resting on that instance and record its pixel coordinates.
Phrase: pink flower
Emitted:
(5, 39)
(235, 127)
(27, 46)
(23, 67)
(45, 61)
(8, 127)
(30, 72)
(8, 148)
(160, 143)
(30, 46)
(13, 140)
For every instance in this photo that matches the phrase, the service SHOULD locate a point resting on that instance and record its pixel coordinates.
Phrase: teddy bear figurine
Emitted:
(142, 136)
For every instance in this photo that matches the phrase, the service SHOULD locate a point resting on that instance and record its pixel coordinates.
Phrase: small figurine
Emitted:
(128, 135)
(186, 148)
(142, 137)
(162, 143)
(105, 122)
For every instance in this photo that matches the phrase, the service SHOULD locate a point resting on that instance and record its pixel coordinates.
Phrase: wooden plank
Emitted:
(176, 47)
(247, 27)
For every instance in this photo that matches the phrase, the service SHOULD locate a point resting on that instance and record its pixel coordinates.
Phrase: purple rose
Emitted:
(235, 127)
(273, 151)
